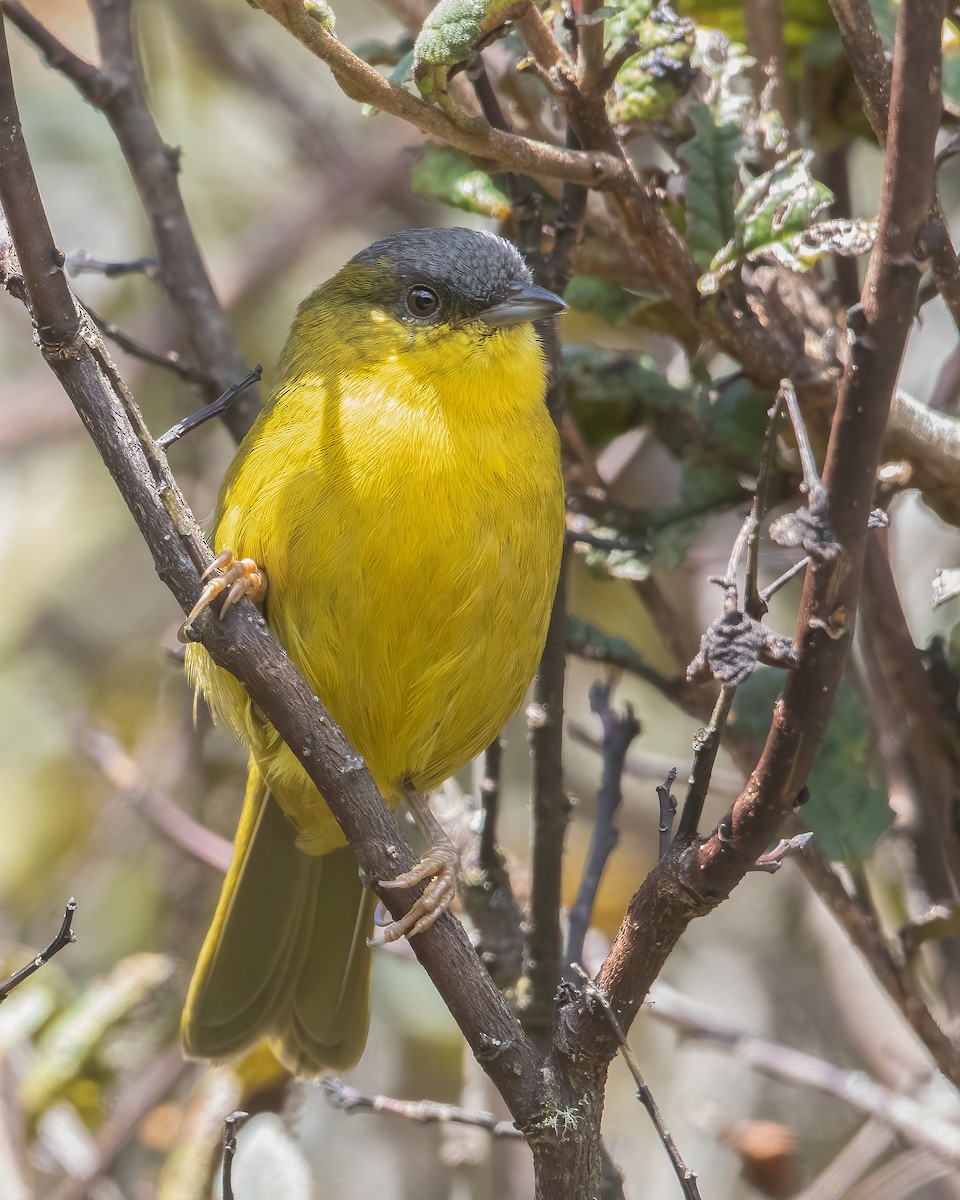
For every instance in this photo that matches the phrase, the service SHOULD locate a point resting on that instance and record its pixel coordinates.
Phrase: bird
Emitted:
(397, 510)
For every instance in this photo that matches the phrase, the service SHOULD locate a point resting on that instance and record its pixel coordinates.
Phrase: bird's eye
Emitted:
(422, 301)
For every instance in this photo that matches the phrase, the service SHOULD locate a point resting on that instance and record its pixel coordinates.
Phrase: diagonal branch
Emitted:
(514, 153)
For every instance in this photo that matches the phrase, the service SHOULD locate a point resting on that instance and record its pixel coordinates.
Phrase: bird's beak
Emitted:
(523, 303)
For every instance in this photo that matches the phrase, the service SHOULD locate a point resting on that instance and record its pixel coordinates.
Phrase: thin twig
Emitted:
(487, 853)
(216, 408)
(80, 263)
(65, 936)
(423, 1112)
(550, 810)
(230, 1126)
(668, 811)
(171, 361)
(812, 484)
(705, 748)
(619, 730)
(687, 1179)
(514, 153)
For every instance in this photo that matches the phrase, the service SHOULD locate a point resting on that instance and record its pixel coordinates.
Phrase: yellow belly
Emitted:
(412, 557)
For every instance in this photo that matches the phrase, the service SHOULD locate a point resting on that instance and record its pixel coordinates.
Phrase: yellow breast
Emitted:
(410, 522)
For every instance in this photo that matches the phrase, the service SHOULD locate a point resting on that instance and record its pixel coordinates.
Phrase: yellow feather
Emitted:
(402, 491)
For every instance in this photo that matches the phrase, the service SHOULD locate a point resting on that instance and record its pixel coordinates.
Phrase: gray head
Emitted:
(455, 276)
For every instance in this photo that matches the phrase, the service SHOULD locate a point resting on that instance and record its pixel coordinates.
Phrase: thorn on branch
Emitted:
(81, 263)
(230, 1127)
(772, 861)
(65, 936)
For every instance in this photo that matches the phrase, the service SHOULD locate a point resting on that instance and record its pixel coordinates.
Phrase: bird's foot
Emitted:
(440, 865)
(241, 577)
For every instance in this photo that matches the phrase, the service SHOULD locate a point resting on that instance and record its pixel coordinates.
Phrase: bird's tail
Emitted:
(286, 955)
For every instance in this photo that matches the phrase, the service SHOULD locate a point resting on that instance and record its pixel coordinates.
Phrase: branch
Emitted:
(243, 643)
(230, 1126)
(930, 442)
(65, 936)
(423, 1112)
(363, 83)
(691, 880)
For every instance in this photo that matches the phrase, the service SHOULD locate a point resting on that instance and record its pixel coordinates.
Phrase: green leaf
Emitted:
(651, 81)
(726, 64)
(711, 160)
(447, 175)
(452, 32)
(773, 219)
(846, 811)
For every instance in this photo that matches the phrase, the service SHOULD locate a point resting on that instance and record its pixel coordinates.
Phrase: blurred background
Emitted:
(284, 179)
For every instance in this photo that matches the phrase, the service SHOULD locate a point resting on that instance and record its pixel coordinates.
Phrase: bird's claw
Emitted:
(240, 577)
(440, 866)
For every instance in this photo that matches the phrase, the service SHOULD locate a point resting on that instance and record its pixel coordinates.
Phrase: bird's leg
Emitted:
(439, 864)
(240, 577)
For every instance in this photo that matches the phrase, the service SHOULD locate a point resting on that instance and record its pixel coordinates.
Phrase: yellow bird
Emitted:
(398, 510)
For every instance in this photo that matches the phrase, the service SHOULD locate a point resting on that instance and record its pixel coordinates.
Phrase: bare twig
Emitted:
(490, 803)
(81, 263)
(619, 730)
(171, 361)
(230, 1126)
(550, 810)
(688, 1181)
(423, 1112)
(705, 748)
(514, 153)
(65, 936)
(668, 811)
(216, 408)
